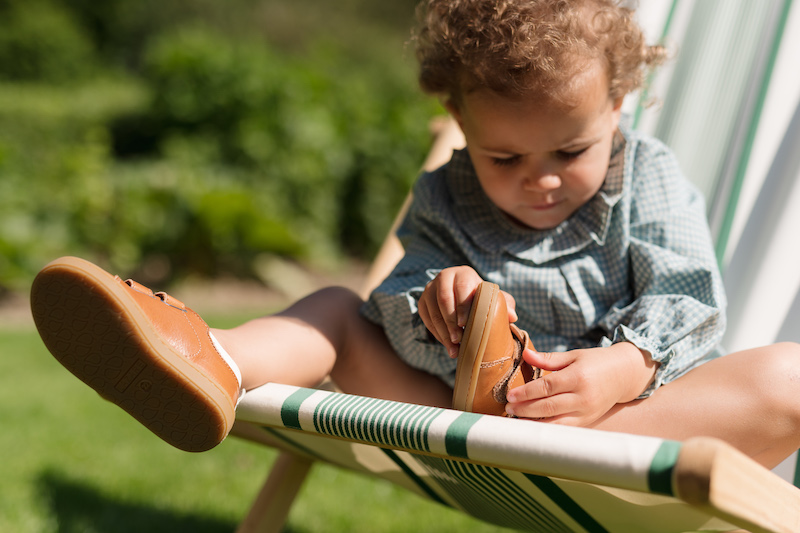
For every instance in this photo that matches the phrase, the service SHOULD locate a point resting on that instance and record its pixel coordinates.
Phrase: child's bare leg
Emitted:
(750, 399)
(324, 334)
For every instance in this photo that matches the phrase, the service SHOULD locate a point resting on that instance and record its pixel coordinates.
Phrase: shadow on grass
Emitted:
(77, 506)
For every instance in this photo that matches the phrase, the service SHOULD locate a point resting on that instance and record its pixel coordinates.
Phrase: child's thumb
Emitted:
(511, 306)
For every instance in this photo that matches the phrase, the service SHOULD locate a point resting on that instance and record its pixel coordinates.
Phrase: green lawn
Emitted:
(72, 462)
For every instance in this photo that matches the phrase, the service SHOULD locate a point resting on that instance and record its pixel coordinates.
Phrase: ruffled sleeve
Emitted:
(677, 310)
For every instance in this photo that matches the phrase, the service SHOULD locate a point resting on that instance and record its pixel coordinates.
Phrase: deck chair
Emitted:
(514, 473)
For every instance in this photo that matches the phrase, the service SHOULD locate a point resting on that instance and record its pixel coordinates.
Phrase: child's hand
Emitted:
(445, 303)
(585, 384)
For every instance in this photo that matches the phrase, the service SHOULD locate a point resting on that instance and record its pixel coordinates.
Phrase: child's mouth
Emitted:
(544, 206)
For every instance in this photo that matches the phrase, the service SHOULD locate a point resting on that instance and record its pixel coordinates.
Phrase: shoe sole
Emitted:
(97, 331)
(473, 345)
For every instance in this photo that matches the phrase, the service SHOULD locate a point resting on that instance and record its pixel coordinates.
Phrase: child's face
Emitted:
(539, 162)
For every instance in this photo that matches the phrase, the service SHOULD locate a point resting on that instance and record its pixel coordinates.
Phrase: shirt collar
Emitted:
(491, 230)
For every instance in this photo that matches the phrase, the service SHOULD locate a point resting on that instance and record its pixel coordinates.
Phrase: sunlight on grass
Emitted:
(72, 462)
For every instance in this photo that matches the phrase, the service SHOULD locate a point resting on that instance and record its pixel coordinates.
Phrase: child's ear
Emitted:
(616, 110)
(454, 111)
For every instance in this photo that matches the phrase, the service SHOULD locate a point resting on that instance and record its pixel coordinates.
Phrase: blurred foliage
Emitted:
(42, 41)
(182, 137)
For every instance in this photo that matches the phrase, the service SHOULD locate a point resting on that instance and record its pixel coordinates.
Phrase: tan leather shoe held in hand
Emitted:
(490, 356)
(148, 353)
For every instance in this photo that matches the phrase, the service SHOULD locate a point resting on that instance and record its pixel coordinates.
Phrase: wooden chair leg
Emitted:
(271, 507)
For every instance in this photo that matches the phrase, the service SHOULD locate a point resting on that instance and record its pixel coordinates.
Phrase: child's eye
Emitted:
(566, 156)
(505, 161)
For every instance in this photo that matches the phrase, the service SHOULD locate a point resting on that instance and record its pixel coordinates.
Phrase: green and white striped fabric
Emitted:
(513, 473)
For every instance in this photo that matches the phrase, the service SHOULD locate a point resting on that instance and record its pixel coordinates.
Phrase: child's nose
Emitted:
(543, 183)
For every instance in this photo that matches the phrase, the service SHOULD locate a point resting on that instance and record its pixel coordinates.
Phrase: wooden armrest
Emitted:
(713, 475)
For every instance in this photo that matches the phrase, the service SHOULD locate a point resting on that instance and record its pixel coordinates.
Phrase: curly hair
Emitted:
(520, 47)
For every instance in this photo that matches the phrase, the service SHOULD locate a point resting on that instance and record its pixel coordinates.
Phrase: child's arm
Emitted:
(586, 385)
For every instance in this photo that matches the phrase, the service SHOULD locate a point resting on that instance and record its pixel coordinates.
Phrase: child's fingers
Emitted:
(446, 300)
(580, 390)
(546, 386)
(432, 319)
(550, 397)
(548, 360)
(561, 408)
(511, 303)
(464, 294)
(465, 283)
(537, 389)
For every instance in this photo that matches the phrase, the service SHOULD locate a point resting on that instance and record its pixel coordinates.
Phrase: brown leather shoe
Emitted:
(490, 356)
(148, 353)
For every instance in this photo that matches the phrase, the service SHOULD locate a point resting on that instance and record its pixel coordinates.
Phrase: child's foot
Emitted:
(147, 353)
(490, 356)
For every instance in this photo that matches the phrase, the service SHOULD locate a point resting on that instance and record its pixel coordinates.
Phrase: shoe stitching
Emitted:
(500, 389)
(496, 362)
(196, 336)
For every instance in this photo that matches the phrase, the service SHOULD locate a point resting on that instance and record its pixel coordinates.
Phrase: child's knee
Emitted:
(331, 311)
(334, 303)
(784, 359)
(779, 369)
(340, 297)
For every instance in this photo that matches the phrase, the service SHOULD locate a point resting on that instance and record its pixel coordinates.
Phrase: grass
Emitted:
(74, 463)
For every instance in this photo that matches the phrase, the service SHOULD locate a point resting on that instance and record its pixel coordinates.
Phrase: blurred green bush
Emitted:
(199, 150)
(41, 40)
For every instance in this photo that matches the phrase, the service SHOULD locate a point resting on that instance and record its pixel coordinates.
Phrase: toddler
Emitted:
(595, 246)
